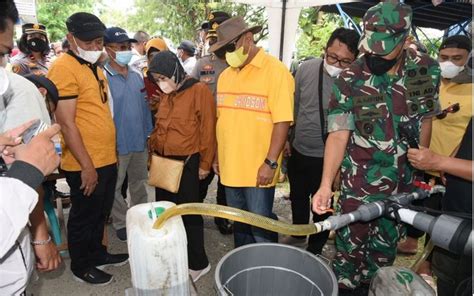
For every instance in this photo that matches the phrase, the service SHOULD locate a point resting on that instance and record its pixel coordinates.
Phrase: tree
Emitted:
(315, 29)
(179, 19)
(53, 15)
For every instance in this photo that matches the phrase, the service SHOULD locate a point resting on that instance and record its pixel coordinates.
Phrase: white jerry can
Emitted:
(158, 258)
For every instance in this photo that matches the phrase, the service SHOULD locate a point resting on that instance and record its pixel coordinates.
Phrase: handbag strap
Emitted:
(187, 159)
(320, 97)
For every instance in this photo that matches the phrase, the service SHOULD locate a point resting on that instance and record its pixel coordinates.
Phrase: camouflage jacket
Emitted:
(375, 163)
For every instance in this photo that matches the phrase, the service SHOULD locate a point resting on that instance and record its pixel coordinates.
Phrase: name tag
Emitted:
(368, 100)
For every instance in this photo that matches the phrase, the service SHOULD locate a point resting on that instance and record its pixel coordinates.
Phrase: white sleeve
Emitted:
(26, 104)
(17, 201)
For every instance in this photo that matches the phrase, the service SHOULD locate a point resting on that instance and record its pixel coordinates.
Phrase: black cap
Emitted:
(188, 47)
(117, 35)
(42, 81)
(215, 17)
(457, 41)
(31, 28)
(85, 26)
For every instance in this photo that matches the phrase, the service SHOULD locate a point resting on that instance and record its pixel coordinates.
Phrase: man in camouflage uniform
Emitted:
(34, 48)
(386, 87)
(207, 70)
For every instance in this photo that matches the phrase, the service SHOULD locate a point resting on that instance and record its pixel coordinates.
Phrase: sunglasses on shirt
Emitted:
(451, 109)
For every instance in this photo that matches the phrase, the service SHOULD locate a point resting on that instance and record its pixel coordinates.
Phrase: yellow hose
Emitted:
(426, 252)
(235, 215)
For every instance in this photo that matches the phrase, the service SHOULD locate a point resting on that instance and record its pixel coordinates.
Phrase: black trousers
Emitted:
(453, 272)
(204, 186)
(304, 174)
(87, 217)
(189, 192)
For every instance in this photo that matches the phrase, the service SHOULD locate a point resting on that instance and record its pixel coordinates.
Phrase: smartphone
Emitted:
(151, 88)
(37, 127)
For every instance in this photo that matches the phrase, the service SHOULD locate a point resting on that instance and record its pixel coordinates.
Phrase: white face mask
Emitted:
(91, 56)
(333, 71)
(449, 69)
(167, 86)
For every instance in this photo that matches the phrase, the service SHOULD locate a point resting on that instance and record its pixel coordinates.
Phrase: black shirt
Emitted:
(458, 197)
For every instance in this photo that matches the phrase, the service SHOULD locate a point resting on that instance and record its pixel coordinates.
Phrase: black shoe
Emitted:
(93, 276)
(224, 226)
(112, 260)
(122, 234)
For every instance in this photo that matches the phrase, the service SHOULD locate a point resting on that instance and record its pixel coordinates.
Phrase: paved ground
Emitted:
(60, 282)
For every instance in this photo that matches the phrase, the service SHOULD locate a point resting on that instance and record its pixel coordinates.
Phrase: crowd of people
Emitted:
(228, 108)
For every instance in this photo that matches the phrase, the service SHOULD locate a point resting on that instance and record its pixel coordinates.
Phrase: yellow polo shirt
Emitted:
(78, 80)
(447, 133)
(249, 102)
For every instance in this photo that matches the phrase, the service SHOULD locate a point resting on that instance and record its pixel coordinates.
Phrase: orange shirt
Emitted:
(249, 102)
(186, 124)
(76, 80)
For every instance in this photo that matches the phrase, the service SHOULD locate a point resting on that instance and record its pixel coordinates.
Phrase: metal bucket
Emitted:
(274, 269)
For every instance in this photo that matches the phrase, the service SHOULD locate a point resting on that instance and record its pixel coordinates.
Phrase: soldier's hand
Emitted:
(322, 200)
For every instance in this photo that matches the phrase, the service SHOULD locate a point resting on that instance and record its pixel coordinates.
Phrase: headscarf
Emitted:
(167, 64)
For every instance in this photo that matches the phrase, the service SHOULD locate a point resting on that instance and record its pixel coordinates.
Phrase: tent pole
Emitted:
(282, 32)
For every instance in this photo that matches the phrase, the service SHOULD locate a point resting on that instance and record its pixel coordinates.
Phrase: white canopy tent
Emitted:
(285, 14)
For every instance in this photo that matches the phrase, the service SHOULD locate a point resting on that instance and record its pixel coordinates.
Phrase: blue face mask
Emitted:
(123, 57)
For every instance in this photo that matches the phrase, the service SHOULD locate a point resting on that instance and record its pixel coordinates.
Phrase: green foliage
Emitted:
(53, 15)
(432, 46)
(315, 29)
(180, 19)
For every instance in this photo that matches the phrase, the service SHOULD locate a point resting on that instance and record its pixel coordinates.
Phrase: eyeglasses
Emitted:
(230, 47)
(451, 109)
(103, 93)
(334, 59)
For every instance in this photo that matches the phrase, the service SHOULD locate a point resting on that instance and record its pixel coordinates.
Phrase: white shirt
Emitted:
(17, 201)
(138, 62)
(189, 64)
(21, 102)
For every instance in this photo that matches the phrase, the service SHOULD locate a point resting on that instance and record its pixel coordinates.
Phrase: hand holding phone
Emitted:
(39, 152)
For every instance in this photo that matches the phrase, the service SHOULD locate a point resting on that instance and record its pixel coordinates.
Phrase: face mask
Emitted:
(449, 69)
(37, 45)
(333, 71)
(379, 65)
(167, 86)
(123, 57)
(91, 56)
(236, 58)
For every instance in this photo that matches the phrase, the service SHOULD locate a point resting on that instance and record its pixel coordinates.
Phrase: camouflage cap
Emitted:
(385, 26)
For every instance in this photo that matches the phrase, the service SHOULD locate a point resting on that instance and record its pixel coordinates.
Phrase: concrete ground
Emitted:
(61, 282)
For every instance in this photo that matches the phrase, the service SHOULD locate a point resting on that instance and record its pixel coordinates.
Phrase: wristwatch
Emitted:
(272, 164)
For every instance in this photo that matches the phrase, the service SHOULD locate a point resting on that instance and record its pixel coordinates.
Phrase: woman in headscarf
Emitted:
(152, 47)
(185, 130)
